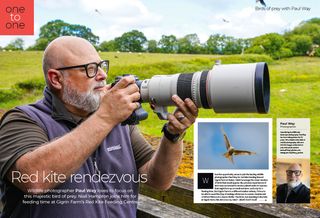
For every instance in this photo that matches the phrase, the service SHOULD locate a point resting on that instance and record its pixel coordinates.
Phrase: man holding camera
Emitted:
(71, 142)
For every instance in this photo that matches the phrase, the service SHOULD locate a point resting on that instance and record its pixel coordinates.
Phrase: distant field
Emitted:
(297, 78)
(20, 66)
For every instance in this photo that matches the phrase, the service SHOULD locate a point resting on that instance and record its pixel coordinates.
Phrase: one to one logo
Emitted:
(16, 17)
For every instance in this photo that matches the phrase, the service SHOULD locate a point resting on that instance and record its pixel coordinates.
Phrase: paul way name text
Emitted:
(292, 8)
(287, 124)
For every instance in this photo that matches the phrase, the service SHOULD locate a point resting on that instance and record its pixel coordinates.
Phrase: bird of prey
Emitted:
(96, 10)
(262, 2)
(224, 20)
(231, 150)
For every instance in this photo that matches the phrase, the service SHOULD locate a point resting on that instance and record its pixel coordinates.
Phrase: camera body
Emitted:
(139, 114)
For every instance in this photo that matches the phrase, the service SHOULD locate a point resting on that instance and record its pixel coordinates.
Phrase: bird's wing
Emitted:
(242, 152)
(226, 140)
(263, 3)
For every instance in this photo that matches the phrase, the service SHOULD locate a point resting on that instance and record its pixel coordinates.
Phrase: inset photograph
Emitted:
(293, 180)
(233, 145)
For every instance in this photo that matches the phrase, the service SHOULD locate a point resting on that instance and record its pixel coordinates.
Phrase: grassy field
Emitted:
(299, 77)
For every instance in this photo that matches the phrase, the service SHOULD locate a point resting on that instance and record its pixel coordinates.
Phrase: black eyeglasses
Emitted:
(296, 172)
(91, 68)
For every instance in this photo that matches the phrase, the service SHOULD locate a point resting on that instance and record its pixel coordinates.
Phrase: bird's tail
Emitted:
(230, 157)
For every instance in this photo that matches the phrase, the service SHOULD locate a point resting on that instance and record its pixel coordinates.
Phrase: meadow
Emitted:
(295, 84)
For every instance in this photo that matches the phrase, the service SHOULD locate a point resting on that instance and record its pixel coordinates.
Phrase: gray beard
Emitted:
(88, 101)
(293, 184)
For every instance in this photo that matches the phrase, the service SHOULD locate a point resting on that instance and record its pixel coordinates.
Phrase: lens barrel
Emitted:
(232, 88)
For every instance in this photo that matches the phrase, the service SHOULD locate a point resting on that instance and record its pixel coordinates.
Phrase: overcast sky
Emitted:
(242, 136)
(178, 17)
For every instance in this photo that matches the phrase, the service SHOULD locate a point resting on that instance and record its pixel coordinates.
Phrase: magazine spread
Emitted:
(138, 108)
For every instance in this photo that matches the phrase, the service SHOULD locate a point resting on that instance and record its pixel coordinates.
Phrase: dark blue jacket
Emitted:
(115, 196)
(300, 194)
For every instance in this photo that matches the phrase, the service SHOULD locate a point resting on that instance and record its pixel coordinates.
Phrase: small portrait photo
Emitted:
(293, 180)
(234, 143)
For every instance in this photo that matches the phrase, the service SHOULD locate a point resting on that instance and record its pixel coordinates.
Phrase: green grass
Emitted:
(299, 77)
(19, 66)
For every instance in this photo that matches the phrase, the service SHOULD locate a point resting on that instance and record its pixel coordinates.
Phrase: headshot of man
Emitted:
(68, 155)
(293, 191)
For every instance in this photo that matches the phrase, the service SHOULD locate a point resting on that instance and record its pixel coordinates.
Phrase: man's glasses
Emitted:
(296, 172)
(91, 68)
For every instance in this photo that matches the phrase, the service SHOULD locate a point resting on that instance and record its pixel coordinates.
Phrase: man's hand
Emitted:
(118, 102)
(162, 168)
(184, 115)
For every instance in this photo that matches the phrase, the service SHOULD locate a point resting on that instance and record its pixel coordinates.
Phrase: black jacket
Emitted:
(300, 194)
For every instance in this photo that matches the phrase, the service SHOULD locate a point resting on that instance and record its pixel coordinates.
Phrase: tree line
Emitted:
(303, 40)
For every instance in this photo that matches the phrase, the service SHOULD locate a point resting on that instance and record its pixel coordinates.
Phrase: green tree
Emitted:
(168, 44)
(285, 53)
(15, 45)
(214, 44)
(310, 28)
(131, 41)
(317, 52)
(232, 45)
(314, 20)
(299, 44)
(221, 44)
(152, 46)
(56, 28)
(270, 43)
(255, 50)
(41, 44)
(189, 44)
(108, 46)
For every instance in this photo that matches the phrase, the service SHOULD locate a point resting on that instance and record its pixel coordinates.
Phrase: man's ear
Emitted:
(55, 78)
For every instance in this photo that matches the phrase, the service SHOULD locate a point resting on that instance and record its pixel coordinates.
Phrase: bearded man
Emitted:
(293, 191)
(68, 155)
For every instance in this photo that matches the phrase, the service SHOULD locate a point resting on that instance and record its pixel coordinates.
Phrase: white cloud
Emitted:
(248, 23)
(113, 18)
(164, 18)
(123, 13)
(120, 7)
(56, 4)
(107, 19)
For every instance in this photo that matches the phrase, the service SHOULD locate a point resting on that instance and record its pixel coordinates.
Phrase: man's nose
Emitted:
(293, 175)
(101, 75)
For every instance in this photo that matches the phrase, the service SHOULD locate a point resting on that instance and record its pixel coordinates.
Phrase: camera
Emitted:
(226, 88)
(139, 114)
